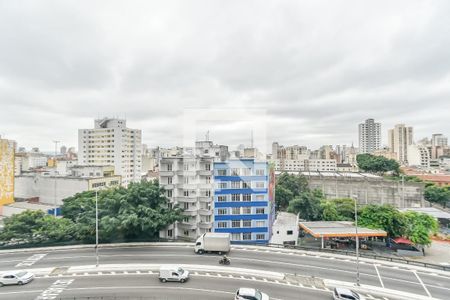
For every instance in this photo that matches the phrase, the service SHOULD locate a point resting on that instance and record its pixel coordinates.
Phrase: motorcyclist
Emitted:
(225, 258)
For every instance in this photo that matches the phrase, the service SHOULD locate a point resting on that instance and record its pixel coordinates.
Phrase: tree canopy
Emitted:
(436, 194)
(307, 205)
(288, 187)
(377, 164)
(341, 209)
(139, 211)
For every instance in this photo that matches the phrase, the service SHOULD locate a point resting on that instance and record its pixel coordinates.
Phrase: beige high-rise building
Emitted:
(7, 150)
(399, 138)
(110, 142)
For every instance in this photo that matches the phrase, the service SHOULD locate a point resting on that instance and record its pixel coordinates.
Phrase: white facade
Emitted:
(400, 137)
(321, 165)
(112, 143)
(285, 229)
(438, 139)
(418, 156)
(369, 136)
(188, 180)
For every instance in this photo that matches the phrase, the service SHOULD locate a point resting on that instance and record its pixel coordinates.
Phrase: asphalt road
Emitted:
(401, 279)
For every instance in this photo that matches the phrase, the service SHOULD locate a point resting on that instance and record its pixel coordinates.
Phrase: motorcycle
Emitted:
(224, 261)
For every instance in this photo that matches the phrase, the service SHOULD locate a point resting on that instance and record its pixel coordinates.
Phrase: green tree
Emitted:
(282, 197)
(288, 187)
(419, 227)
(377, 164)
(329, 211)
(36, 226)
(436, 194)
(385, 217)
(307, 204)
(139, 211)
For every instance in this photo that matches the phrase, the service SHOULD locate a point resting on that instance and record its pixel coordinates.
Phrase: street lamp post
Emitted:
(96, 227)
(54, 165)
(355, 198)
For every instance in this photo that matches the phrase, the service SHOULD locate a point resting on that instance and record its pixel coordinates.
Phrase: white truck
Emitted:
(213, 242)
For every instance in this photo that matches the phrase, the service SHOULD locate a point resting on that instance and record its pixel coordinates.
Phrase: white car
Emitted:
(346, 294)
(250, 294)
(15, 277)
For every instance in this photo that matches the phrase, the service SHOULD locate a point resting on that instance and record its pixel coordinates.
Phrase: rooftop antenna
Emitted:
(251, 139)
(207, 136)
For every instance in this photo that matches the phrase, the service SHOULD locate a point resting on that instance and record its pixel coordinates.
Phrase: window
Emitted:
(222, 185)
(222, 211)
(169, 180)
(260, 172)
(222, 172)
(186, 193)
(259, 197)
(208, 193)
(246, 236)
(222, 225)
(260, 223)
(186, 220)
(246, 171)
(221, 198)
(246, 210)
(234, 172)
(236, 211)
(260, 184)
(186, 232)
(186, 167)
(185, 206)
(260, 211)
(208, 167)
(260, 236)
(186, 180)
(247, 223)
(170, 233)
(246, 185)
(235, 184)
(208, 179)
(169, 167)
(236, 223)
(289, 232)
(235, 197)
(236, 236)
(169, 193)
(247, 197)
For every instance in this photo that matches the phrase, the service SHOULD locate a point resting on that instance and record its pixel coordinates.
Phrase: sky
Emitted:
(296, 72)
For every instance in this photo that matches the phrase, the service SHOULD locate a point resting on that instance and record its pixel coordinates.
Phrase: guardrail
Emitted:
(365, 255)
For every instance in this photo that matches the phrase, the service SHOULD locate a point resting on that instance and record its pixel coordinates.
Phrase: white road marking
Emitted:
(55, 289)
(379, 277)
(31, 260)
(423, 285)
(370, 296)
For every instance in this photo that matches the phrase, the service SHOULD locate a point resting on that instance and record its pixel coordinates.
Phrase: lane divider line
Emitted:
(423, 285)
(379, 276)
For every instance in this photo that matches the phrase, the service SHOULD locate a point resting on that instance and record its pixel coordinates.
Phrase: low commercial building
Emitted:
(52, 190)
(367, 188)
(7, 151)
(285, 229)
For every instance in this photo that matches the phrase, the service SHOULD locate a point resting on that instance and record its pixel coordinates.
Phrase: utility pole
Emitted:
(54, 165)
(96, 227)
(355, 198)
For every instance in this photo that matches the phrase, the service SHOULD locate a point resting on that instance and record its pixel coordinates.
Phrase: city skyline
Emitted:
(316, 81)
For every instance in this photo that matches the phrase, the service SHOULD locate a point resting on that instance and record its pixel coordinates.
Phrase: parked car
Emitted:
(346, 294)
(250, 294)
(15, 277)
(173, 273)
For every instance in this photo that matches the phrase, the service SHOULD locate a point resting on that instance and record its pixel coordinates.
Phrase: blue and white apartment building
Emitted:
(244, 203)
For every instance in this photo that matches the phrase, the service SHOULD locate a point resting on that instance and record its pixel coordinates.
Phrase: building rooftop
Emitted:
(338, 229)
(29, 205)
(334, 174)
(285, 219)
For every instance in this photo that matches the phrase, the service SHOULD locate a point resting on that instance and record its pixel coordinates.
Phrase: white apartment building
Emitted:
(320, 165)
(418, 156)
(369, 136)
(439, 139)
(187, 177)
(110, 142)
(400, 137)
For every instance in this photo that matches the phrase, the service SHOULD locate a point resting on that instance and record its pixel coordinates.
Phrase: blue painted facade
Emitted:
(242, 204)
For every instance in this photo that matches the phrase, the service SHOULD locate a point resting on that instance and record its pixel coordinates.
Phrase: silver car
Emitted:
(250, 294)
(15, 277)
(346, 294)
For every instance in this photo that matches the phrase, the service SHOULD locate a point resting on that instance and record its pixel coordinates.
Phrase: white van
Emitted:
(173, 273)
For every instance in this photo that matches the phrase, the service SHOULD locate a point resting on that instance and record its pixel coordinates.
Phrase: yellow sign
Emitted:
(7, 149)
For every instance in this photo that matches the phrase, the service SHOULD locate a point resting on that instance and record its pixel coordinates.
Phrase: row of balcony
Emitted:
(193, 199)
(197, 211)
(185, 173)
(194, 225)
(187, 186)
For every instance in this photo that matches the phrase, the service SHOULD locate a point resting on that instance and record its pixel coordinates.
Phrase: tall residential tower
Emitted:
(400, 137)
(110, 142)
(369, 136)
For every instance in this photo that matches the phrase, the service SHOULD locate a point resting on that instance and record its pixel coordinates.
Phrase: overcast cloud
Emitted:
(317, 68)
